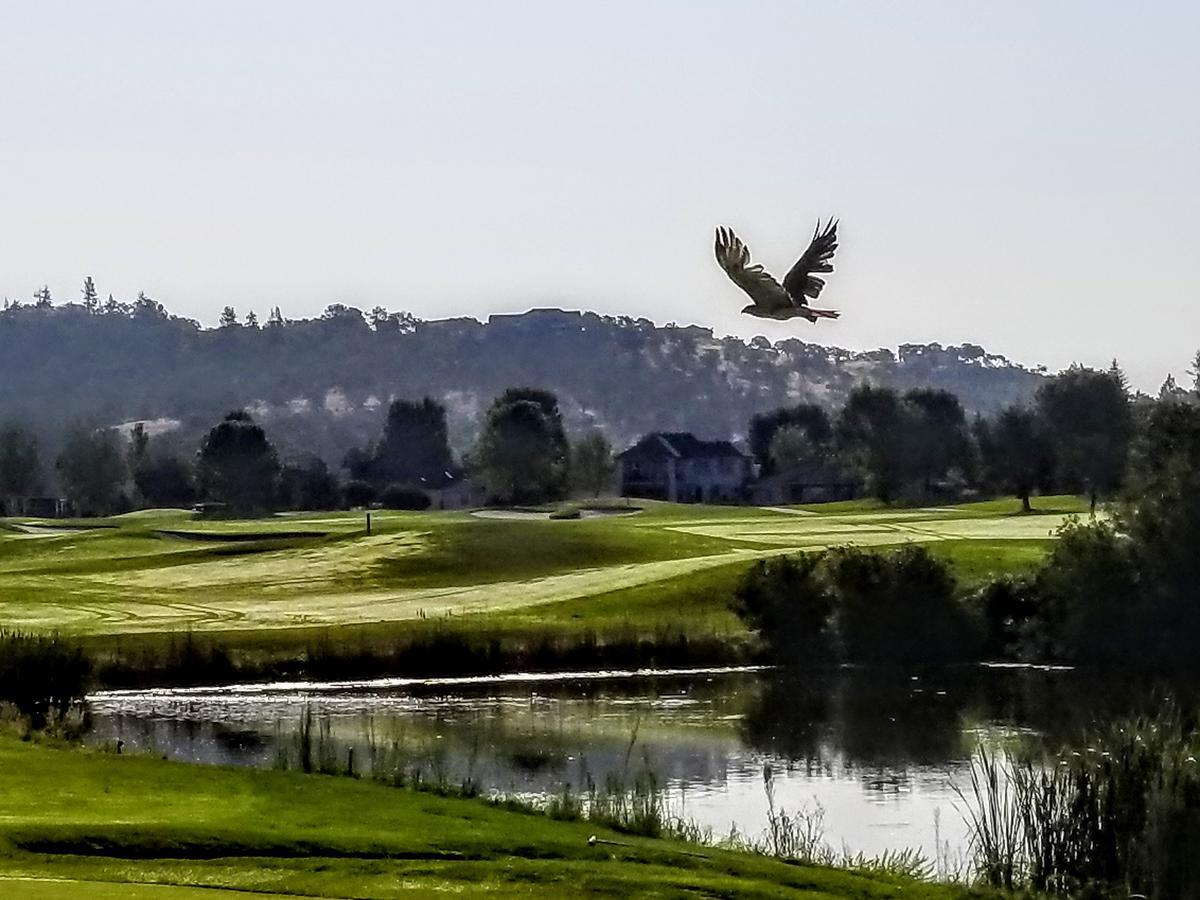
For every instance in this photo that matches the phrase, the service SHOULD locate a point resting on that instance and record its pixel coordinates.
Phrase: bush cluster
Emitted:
(896, 607)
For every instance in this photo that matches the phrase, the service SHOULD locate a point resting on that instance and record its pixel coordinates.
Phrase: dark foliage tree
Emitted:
(790, 447)
(403, 496)
(522, 452)
(308, 484)
(1015, 453)
(238, 466)
(592, 465)
(415, 446)
(357, 462)
(147, 307)
(873, 429)
(547, 402)
(164, 480)
(139, 444)
(228, 317)
(90, 301)
(1163, 517)
(20, 464)
(357, 492)
(812, 420)
(92, 469)
(939, 437)
(1090, 421)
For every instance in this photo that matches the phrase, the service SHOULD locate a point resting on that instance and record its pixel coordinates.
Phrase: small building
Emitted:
(815, 482)
(681, 468)
(455, 490)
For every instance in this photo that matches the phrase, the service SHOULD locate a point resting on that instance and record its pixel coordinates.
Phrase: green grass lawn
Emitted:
(83, 824)
(290, 579)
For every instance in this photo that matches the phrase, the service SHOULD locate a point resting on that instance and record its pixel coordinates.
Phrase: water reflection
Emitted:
(879, 751)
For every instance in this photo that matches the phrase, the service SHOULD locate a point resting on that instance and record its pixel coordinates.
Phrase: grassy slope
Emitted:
(73, 823)
(668, 568)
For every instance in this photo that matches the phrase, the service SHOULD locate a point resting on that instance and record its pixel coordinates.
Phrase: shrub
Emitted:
(1010, 613)
(403, 496)
(1092, 605)
(42, 676)
(897, 607)
(788, 603)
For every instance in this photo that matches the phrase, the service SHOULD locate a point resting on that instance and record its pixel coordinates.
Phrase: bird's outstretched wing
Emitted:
(734, 258)
(800, 282)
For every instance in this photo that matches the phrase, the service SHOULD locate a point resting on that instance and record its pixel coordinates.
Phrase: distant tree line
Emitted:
(322, 385)
(523, 456)
(1075, 436)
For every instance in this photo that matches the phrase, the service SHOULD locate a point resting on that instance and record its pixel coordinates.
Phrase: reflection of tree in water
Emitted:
(873, 719)
(857, 718)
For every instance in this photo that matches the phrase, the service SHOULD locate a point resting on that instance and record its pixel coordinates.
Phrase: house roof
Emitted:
(680, 445)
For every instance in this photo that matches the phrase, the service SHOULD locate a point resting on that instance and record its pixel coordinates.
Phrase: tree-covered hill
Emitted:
(323, 384)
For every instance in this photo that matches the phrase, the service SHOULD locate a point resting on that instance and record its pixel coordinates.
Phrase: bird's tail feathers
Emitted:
(824, 313)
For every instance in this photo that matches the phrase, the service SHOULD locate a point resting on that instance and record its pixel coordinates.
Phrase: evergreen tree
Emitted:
(228, 317)
(238, 466)
(139, 441)
(90, 301)
(415, 448)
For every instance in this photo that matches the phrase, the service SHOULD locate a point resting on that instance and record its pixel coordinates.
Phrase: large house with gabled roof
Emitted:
(681, 468)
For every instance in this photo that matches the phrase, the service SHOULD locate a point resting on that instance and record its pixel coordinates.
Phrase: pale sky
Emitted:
(1025, 176)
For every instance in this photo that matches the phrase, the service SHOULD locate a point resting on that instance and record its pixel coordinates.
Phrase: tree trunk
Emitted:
(1025, 505)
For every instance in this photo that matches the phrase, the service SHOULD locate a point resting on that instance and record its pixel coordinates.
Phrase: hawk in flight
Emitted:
(773, 300)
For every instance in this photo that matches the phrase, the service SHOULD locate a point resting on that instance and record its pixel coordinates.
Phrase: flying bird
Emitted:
(773, 300)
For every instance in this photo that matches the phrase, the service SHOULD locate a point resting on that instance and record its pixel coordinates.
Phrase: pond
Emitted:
(876, 754)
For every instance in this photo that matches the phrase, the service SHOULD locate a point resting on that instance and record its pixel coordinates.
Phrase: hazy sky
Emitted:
(1021, 175)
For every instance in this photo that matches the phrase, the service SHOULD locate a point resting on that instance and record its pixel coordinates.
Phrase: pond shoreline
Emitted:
(391, 682)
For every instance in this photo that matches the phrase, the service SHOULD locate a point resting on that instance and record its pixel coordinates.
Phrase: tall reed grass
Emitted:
(1118, 816)
(44, 676)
